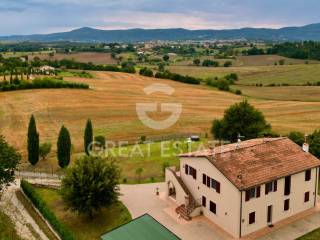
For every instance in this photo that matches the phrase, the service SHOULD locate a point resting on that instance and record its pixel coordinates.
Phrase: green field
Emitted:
(251, 75)
(84, 228)
(290, 93)
(150, 157)
(244, 61)
(7, 230)
(81, 74)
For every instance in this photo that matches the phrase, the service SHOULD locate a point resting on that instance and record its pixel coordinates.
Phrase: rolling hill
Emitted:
(86, 34)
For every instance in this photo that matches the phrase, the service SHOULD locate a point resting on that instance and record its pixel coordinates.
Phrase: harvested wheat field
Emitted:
(111, 104)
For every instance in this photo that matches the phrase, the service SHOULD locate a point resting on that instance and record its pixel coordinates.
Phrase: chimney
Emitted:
(212, 152)
(238, 143)
(305, 146)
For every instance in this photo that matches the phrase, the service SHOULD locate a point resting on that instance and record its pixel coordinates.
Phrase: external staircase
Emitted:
(183, 210)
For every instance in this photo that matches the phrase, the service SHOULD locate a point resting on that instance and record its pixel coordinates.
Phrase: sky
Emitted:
(47, 16)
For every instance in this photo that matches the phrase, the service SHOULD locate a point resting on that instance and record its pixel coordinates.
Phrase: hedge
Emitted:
(42, 83)
(177, 77)
(41, 205)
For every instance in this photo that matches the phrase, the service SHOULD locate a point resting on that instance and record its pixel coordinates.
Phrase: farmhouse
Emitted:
(46, 69)
(246, 186)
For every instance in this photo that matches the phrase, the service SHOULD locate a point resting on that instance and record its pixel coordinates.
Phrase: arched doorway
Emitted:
(171, 190)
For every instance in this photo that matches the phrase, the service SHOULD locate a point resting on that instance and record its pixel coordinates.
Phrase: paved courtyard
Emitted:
(141, 199)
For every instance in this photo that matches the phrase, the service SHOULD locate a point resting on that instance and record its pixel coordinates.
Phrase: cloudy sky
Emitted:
(46, 16)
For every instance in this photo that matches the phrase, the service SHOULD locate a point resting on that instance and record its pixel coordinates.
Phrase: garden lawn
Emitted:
(84, 228)
(151, 158)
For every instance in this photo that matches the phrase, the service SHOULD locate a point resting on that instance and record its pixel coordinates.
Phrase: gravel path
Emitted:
(18, 214)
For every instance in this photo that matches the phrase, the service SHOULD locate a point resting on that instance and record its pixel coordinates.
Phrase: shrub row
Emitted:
(177, 77)
(40, 204)
(71, 64)
(41, 83)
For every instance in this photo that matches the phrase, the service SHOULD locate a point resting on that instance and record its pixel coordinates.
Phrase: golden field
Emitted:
(111, 104)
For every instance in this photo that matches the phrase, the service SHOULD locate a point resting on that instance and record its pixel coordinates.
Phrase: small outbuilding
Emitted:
(141, 228)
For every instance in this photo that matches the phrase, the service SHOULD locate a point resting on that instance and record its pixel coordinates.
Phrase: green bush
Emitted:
(146, 72)
(41, 205)
(238, 92)
(210, 63)
(221, 84)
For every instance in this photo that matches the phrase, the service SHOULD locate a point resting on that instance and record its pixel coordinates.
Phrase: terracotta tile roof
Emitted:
(258, 161)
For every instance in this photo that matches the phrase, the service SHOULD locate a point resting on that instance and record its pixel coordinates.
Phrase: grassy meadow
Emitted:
(243, 61)
(84, 228)
(298, 74)
(284, 93)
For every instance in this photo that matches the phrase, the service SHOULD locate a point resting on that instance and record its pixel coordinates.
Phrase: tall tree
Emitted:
(9, 160)
(88, 137)
(241, 118)
(90, 185)
(33, 142)
(64, 147)
(297, 137)
(314, 141)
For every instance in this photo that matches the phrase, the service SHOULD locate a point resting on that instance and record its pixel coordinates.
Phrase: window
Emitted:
(208, 181)
(271, 187)
(286, 205)
(252, 217)
(186, 169)
(204, 179)
(213, 207)
(287, 185)
(191, 171)
(253, 193)
(308, 175)
(307, 197)
(215, 185)
(194, 173)
(204, 201)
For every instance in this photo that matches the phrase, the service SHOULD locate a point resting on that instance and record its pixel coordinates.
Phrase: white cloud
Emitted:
(43, 16)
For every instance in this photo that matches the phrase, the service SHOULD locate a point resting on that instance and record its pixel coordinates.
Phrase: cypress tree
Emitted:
(64, 147)
(33, 142)
(88, 136)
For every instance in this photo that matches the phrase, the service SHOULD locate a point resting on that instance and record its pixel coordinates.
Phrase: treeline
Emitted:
(308, 50)
(71, 64)
(38, 83)
(177, 77)
(300, 50)
(169, 75)
(211, 63)
(313, 140)
(23, 47)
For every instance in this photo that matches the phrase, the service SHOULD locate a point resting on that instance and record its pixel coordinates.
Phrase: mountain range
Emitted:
(86, 34)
